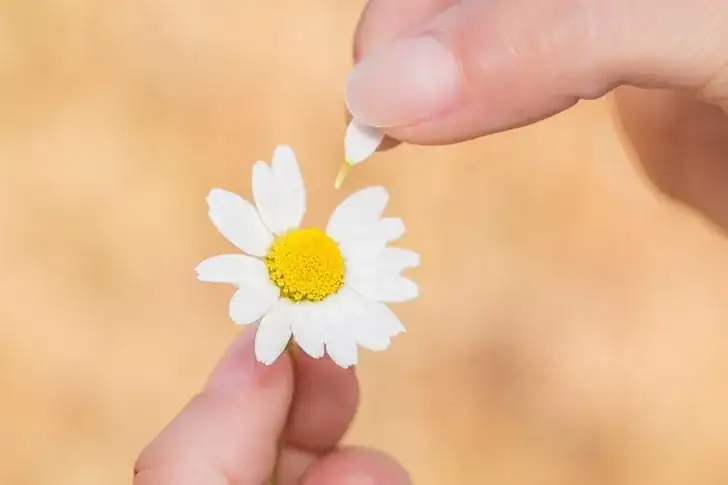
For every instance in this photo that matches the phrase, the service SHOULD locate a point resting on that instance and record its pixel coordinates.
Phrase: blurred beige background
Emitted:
(572, 328)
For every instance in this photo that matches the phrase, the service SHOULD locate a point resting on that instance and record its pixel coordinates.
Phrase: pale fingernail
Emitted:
(409, 81)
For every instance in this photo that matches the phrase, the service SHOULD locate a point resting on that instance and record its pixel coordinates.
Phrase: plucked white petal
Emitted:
(360, 142)
(356, 215)
(340, 342)
(384, 288)
(369, 332)
(231, 268)
(266, 197)
(239, 222)
(290, 184)
(274, 332)
(308, 329)
(368, 246)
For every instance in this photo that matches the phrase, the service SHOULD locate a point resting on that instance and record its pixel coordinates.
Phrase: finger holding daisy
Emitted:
(252, 423)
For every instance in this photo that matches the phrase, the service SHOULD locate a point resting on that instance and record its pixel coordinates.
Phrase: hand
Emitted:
(443, 71)
(249, 416)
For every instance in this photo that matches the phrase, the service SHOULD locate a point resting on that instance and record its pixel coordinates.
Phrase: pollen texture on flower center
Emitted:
(306, 265)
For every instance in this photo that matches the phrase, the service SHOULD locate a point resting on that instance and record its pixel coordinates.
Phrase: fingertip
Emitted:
(357, 466)
(324, 404)
(239, 371)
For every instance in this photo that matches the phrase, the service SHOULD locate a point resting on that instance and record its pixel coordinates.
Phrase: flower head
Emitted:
(326, 289)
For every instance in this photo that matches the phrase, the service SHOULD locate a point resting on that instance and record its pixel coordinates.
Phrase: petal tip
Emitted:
(211, 195)
(199, 272)
(263, 361)
(219, 197)
(282, 147)
(361, 141)
(379, 188)
(283, 152)
(259, 171)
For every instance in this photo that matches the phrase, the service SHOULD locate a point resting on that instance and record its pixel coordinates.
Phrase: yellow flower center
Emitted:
(306, 265)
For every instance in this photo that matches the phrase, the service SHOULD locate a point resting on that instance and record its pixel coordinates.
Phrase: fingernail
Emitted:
(239, 369)
(409, 81)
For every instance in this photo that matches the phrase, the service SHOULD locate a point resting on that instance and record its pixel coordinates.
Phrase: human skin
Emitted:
(229, 434)
(435, 72)
(515, 62)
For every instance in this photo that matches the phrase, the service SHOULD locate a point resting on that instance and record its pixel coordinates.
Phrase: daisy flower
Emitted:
(327, 290)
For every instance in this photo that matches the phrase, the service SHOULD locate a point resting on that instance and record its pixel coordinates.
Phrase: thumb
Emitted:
(230, 432)
(478, 67)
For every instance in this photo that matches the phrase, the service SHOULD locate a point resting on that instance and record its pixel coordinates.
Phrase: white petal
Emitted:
(238, 221)
(231, 268)
(273, 333)
(279, 192)
(390, 229)
(367, 329)
(357, 213)
(342, 349)
(290, 183)
(384, 288)
(252, 301)
(308, 329)
(340, 342)
(396, 259)
(388, 262)
(389, 320)
(266, 196)
(369, 245)
(360, 142)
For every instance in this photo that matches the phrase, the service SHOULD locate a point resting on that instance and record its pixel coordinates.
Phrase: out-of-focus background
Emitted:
(573, 321)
